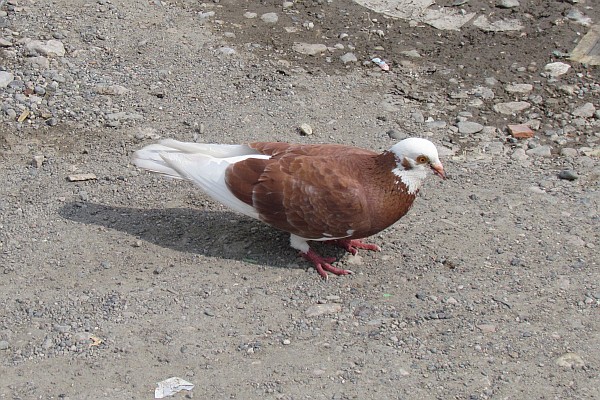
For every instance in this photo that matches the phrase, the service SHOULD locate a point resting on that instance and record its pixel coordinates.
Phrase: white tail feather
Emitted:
(203, 164)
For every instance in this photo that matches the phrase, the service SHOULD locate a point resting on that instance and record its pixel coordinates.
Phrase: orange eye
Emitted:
(422, 160)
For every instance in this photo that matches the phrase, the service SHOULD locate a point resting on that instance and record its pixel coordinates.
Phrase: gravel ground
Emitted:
(115, 279)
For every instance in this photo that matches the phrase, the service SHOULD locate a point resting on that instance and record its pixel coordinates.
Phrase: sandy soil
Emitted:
(488, 289)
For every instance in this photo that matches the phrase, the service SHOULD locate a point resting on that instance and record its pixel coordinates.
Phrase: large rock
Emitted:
(5, 78)
(49, 48)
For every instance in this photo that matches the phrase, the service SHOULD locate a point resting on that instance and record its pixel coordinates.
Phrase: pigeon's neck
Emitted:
(411, 177)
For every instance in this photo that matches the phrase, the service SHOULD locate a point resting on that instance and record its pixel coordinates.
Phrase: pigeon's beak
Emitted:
(438, 169)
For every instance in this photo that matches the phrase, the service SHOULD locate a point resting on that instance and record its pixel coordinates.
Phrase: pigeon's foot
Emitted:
(323, 264)
(352, 245)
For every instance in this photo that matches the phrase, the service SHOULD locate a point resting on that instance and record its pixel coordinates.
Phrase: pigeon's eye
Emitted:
(422, 160)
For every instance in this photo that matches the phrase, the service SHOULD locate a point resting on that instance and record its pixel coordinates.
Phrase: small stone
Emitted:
(540, 151)
(556, 69)
(37, 161)
(568, 152)
(522, 88)
(570, 360)
(10, 113)
(111, 90)
(348, 57)
(323, 309)
(507, 3)
(468, 127)
(520, 131)
(354, 260)
(250, 15)
(40, 62)
(411, 53)
(81, 177)
(585, 111)
(5, 43)
(519, 155)
(396, 135)
(309, 49)
(286, 342)
(4, 345)
(578, 17)
(52, 121)
(228, 51)
(5, 78)
(103, 264)
(511, 107)
(305, 129)
(62, 328)
(487, 328)
(81, 337)
(209, 312)
(270, 18)
(568, 175)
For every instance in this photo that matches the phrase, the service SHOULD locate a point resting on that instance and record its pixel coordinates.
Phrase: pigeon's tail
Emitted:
(203, 164)
(155, 157)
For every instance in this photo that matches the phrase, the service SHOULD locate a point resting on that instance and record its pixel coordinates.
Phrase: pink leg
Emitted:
(322, 264)
(352, 245)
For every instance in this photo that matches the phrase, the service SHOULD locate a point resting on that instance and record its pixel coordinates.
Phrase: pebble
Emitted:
(487, 328)
(62, 328)
(578, 17)
(37, 161)
(568, 175)
(411, 53)
(40, 62)
(348, 57)
(540, 151)
(309, 49)
(81, 177)
(522, 88)
(250, 15)
(557, 69)
(305, 129)
(323, 309)
(111, 90)
(468, 127)
(286, 342)
(5, 78)
(570, 360)
(520, 131)
(507, 3)
(228, 51)
(269, 18)
(49, 48)
(4, 345)
(354, 260)
(585, 111)
(568, 152)
(511, 107)
(519, 155)
(396, 135)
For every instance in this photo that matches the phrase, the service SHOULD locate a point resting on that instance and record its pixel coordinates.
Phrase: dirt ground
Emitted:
(488, 289)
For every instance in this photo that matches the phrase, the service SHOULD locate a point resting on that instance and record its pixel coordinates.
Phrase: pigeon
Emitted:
(334, 193)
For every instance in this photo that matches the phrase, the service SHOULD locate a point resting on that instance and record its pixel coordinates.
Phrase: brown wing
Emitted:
(305, 190)
(278, 149)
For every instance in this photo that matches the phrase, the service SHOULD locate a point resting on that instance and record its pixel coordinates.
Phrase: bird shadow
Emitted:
(220, 234)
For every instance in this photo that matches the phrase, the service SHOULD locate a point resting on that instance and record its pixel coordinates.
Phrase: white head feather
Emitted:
(414, 156)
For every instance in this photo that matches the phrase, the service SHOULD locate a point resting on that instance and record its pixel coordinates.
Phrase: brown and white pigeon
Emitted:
(322, 192)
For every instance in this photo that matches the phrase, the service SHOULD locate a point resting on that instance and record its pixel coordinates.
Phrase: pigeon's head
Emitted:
(414, 156)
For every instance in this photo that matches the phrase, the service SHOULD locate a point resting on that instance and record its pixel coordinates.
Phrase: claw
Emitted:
(352, 245)
(323, 264)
